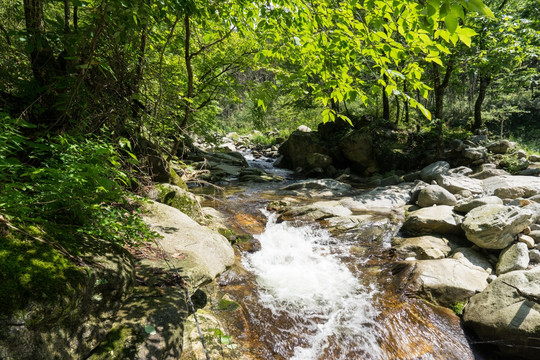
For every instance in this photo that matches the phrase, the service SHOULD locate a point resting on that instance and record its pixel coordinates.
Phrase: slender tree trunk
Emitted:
(75, 18)
(398, 110)
(189, 94)
(441, 86)
(386, 103)
(485, 80)
(407, 118)
(67, 16)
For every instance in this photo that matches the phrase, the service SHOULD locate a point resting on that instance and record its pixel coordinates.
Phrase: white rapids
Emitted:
(298, 275)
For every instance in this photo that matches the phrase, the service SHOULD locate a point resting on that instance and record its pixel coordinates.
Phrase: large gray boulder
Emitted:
(199, 252)
(501, 146)
(444, 282)
(495, 226)
(458, 184)
(493, 183)
(436, 219)
(176, 197)
(297, 148)
(515, 257)
(514, 192)
(430, 172)
(435, 195)
(507, 317)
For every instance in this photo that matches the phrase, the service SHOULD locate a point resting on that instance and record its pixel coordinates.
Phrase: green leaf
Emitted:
(465, 35)
(451, 21)
(150, 330)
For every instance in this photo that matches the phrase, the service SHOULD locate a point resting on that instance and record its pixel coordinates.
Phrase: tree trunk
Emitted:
(484, 83)
(406, 104)
(386, 103)
(440, 87)
(44, 66)
(189, 95)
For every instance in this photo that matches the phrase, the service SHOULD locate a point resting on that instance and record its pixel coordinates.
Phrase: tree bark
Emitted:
(485, 80)
(386, 103)
(440, 87)
(44, 66)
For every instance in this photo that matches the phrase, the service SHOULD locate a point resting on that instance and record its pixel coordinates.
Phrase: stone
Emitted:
(495, 226)
(319, 187)
(466, 205)
(297, 147)
(201, 253)
(437, 219)
(527, 240)
(521, 154)
(514, 192)
(500, 147)
(443, 282)
(535, 234)
(435, 195)
(303, 128)
(474, 153)
(487, 173)
(534, 158)
(501, 316)
(493, 183)
(431, 172)
(534, 256)
(357, 147)
(515, 257)
(423, 247)
(473, 259)
(455, 184)
(316, 211)
(176, 197)
(460, 171)
(315, 160)
(530, 172)
(388, 197)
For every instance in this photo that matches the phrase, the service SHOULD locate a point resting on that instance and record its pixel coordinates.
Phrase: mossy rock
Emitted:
(178, 198)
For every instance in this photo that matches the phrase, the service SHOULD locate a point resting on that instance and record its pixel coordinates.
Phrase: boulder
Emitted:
(534, 256)
(513, 192)
(515, 257)
(534, 158)
(475, 154)
(435, 195)
(456, 184)
(316, 160)
(507, 181)
(505, 316)
(176, 197)
(319, 187)
(297, 147)
(201, 253)
(388, 197)
(527, 240)
(357, 147)
(304, 128)
(495, 226)
(500, 147)
(444, 282)
(437, 219)
(467, 205)
(535, 234)
(430, 172)
(472, 259)
(423, 247)
(316, 211)
(460, 171)
(487, 173)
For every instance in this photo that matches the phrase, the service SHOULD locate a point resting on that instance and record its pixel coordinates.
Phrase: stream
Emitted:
(311, 293)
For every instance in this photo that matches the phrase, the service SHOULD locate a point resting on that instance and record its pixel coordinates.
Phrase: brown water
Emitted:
(312, 294)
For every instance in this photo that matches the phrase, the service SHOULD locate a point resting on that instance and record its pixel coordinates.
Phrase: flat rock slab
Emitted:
(500, 314)
(424, 247)
(386, 197)
(457, 184)
(444, 282)
(201, 253)
(493, 183)
(435, 219)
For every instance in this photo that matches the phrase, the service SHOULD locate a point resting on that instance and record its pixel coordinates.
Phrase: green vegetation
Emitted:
(97, 98)
(457, 308)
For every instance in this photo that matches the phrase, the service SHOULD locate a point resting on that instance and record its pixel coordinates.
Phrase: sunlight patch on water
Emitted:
(299, 277)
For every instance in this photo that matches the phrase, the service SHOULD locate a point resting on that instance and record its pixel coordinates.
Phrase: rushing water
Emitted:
(297, 276)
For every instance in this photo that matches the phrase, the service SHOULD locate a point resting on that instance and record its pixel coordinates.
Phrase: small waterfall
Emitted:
(330, 313)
